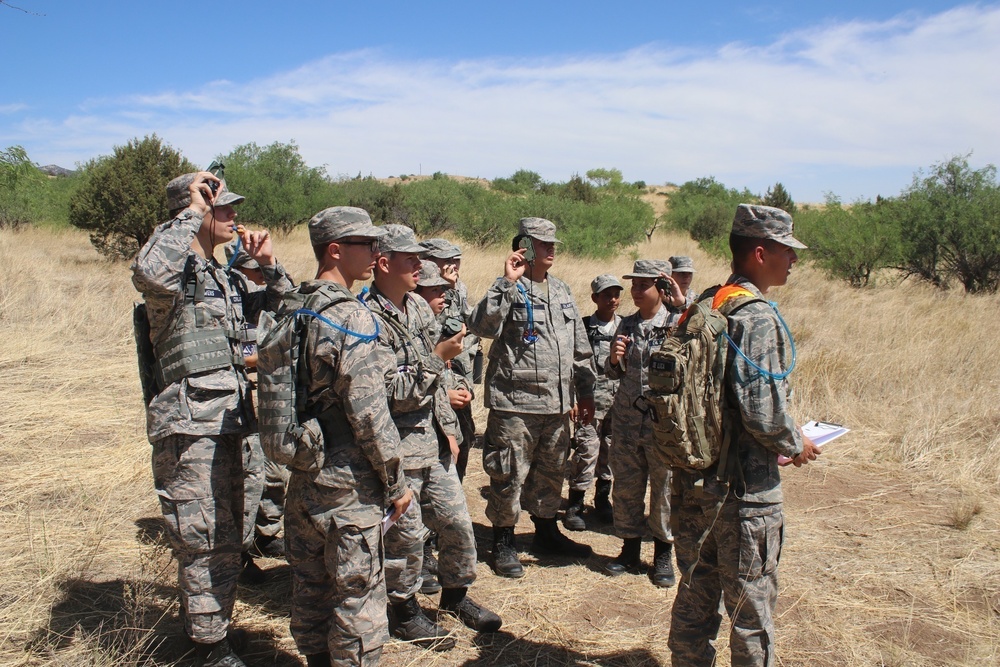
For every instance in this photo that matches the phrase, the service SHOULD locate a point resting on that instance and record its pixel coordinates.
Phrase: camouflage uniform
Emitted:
(739, 559)
(457, 305)
(634, 457)
(333, 534)
(197, 421)
(590, 447)
(420, 408)
(530, 389)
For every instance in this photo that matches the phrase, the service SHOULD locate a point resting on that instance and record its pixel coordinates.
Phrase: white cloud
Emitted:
(852, 108)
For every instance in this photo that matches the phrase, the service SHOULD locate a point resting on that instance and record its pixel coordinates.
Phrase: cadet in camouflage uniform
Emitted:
(683, 274)
(590, 441)
(448, 258)
(539, 361)
(264, 479)
(419, 405)
(737, 564)
(333, 531)
(202, 408)
(634, 457)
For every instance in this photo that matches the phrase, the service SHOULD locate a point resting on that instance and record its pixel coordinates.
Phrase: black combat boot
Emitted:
(268, 546)
(505, 560)
(251, 575)
(219, 654)
(602, 502)
(548, 540)
(574, 512)
(318, 660)
(409, 623)
(628, 560)
(662, 572)
(429, 570)
(479, 618)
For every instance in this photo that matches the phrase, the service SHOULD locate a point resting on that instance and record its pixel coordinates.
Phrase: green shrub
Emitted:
(122, 197)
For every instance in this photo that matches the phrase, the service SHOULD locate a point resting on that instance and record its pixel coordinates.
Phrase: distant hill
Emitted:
(55, 170)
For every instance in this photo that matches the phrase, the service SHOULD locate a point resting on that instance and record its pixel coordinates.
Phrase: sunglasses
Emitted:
(371, 243)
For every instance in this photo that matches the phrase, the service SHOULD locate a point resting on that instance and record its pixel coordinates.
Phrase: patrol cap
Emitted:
(441, 249)
(538, 228)
(178, 195)
(400, 238)
(430, 275)
(339, 222)
(603, 282)
(765, 222)
(649, 268)
(243, 260)
(682, 264)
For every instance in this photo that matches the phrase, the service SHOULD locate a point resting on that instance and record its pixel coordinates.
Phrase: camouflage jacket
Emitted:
(764, 427)
(417, 391)
(605, 387)
(546, 376)
(345, 378)
(633, 370)
(457, 305)
(167, 272)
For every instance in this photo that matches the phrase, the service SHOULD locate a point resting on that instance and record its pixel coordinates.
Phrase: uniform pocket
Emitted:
(210, 395)
(760, 545)
(358, 560)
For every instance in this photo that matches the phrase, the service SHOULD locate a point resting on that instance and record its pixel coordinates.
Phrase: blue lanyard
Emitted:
(530, 335)
(766, 373)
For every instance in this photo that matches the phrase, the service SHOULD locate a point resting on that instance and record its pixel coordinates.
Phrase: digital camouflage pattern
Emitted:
(739, 559)
(418, 399)
(332, 517)
(215, 401)
(525, 457)
(634, 457)
(196, 422)
(439, 505)
(272, 499)
(548, 375)
(591, 441)
(254, 479)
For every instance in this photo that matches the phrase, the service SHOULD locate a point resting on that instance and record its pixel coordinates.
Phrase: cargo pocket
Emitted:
(357, 560)
(497, 463)
(189, 523)
(760, 545)
(210, 396)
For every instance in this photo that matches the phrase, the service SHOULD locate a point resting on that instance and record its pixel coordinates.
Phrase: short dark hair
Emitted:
(742, 246)
(320, 249)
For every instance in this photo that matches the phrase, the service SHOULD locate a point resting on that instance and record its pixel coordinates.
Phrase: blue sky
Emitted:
(848, 97)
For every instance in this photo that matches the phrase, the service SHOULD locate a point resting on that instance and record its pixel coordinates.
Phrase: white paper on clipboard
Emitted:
(820, 433)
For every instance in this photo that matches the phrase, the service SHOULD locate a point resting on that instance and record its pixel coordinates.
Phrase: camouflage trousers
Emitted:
(199, 481)
(635, 461)
(438, 504)
(525, 457)
(738, 565)
(589, 457)
(254, 469)
(333, 541)
(272, 500)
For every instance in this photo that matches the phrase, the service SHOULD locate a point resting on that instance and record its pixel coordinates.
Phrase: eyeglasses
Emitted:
(371, 243)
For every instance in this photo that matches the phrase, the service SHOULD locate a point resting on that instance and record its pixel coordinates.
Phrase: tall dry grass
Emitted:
(892, 543)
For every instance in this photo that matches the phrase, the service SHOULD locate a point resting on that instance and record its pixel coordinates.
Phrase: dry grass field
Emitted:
(892, 549)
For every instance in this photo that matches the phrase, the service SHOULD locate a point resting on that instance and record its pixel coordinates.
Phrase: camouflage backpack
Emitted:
(685, 395)
(285, 436)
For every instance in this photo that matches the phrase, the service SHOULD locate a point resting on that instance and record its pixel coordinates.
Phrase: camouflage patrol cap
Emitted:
(178, 195)
(430, 275)
(400, 238)
(243, 260)
(441, 249)
(538, 228)
(649, 268)
(603, 282)
(339, 222)
(682, 264)
(765, 222)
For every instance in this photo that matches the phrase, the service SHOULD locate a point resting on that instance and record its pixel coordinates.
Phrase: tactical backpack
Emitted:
(285, 436)
(685, 395)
